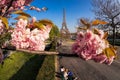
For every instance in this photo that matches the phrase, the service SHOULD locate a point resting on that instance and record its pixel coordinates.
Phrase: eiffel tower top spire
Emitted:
(64, 16)
(64, 25)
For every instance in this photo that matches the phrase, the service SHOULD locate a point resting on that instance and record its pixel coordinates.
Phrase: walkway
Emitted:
(89, 70)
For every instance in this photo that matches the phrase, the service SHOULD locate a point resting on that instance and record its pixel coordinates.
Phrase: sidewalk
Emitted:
(57, 66)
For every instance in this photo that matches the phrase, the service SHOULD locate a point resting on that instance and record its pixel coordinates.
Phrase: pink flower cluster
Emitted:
(1, 27)
(8, 6)
(24, 38)
(15, 5)
(37, 9)
(90, 46)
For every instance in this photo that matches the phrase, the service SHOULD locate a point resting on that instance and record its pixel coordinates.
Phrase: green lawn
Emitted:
(26, 66)
(47, 71)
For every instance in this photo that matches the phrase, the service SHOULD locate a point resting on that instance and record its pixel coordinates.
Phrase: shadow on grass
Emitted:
(30, 69)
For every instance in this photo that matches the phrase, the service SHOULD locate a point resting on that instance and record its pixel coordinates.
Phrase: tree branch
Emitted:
(9, 5)
(116, 15)
(118, 23)
(38, 52)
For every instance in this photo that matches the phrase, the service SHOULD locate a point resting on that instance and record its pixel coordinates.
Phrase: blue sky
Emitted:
(75, 9)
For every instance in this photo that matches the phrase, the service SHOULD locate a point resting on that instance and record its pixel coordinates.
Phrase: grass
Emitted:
(26, 66)
(47, 71)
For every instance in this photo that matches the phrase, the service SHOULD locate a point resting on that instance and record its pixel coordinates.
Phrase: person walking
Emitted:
(66, 74)
(70, 75)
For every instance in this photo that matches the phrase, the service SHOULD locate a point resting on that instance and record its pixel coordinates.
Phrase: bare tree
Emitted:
(108, 10)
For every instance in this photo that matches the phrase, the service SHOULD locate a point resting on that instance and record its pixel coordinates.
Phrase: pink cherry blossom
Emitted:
(110, 60)
(8, 6)
(2, 1)
(90, 46)
(18, 3)
(88, 35)
(27, 2)
(1, 27)
(24, 38)
(38, 9)
(21, 23)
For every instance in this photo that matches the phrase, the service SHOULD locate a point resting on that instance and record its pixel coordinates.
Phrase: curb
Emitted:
(56, 66)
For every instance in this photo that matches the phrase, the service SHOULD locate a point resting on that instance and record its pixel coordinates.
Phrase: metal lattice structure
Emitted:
(65, 34)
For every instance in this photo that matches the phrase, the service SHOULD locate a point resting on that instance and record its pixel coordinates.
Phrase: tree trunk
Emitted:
(114, 36)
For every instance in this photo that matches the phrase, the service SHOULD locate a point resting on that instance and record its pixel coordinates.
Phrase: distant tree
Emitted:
(54, 32)
(108, 10)
(53, 37)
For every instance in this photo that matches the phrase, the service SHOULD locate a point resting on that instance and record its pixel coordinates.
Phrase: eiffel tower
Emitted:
(64, 32)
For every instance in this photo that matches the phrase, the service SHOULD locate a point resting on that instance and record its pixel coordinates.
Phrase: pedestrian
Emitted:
(70, 75)
(62, 69)
(66, 74)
